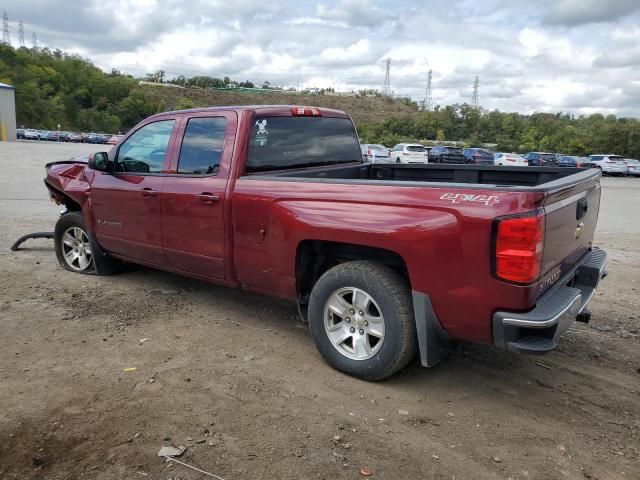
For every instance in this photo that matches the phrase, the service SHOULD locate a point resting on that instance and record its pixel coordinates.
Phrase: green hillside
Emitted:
(56, 88)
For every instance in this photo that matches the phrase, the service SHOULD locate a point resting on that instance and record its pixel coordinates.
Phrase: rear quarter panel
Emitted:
(445, 243)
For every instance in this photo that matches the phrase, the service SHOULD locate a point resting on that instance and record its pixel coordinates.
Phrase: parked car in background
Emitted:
(633, 167)
(52, 136)
(478, 156)
(75, 137)
(540, 159)
(510, 159)
(409, 153)
(93, 138)
(42, 134)
(444, 154)
(64, 136)
(570, 161)
(373, 152)
(31, 134)
(609, 164)
(20, 133)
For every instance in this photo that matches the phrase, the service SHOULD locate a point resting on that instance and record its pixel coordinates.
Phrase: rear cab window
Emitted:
(280, 143)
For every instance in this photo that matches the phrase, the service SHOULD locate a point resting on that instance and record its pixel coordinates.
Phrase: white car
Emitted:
(609, 164)
(510, 160)
(409, 153)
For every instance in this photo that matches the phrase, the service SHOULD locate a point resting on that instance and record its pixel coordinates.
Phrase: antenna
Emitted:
(21, 34)
(34, 40)
(386, 88)
(427, 103)
(475, 99)
(6, 40)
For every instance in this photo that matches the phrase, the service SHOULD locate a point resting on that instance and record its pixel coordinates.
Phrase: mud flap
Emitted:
(433, 341)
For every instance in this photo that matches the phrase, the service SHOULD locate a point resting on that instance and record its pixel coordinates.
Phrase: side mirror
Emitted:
(99, 161)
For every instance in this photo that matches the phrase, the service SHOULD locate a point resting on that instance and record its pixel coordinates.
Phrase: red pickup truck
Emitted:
(383, 260)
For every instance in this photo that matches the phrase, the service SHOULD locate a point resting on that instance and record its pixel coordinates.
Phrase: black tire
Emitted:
(393, 296)
(398, 160)
(101, 263)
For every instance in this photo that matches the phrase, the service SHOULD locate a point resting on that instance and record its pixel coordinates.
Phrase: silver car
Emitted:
(633, 167)
(374, 153)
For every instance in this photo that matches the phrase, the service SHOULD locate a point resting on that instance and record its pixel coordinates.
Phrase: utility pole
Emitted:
(386, 88)
(427, 103)
(34, 40)
(6, 39)
(475, 99)
(21, 34)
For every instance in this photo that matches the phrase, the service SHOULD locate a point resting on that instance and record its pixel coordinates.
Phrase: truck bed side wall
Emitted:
(445, 245)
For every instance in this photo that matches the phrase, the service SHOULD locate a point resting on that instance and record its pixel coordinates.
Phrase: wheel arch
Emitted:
(315, 257)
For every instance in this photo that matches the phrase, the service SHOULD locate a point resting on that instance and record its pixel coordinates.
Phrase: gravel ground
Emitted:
(236, 379)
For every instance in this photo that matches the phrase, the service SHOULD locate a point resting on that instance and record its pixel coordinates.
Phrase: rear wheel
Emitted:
(361, 320)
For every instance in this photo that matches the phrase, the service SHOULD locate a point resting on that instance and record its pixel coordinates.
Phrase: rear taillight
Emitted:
(369, 151)
(519, 243)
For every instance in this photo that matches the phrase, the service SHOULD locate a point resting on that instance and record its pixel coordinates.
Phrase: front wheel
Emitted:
(361, 320)
(72, 244)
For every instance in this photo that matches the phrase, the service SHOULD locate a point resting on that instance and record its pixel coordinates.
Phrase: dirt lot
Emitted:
(235, 376)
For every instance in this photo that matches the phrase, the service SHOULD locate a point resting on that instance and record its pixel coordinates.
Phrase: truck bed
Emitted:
(534, 178)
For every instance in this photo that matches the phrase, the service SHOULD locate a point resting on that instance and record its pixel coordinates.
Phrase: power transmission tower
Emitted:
(6, 40)
(475, 99)
(34, 40)
(386, 88)
(427, 103)
(21, 34)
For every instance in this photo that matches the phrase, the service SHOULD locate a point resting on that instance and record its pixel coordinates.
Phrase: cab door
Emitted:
(194, 196)
(126, 202)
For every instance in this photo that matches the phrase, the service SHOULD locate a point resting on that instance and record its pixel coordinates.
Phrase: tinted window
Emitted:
(202, 146)
(454, 150)
(412, 148)
(296, 142)
(144, 151)
(595, 158)
(616, 158)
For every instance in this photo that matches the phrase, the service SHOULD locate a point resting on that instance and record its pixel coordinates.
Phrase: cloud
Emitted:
(550, 55)
(581, 12)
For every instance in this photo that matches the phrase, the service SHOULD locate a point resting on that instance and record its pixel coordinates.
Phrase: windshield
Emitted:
(296, 142)
(616, 158)
(381, 148)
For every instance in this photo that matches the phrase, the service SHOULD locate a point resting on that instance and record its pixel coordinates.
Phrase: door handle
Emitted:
(148, 192)
(206, 197)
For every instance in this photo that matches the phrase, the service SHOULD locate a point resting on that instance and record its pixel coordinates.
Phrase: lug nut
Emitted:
(352, 311)
(352, 329)
(361, 332)
(347, 320)
(366, 324)
(360, 313)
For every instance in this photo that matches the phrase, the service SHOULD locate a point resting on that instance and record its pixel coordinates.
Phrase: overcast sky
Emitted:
(578, 56)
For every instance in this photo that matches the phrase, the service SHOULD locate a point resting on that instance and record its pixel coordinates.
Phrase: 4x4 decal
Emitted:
(488, 200)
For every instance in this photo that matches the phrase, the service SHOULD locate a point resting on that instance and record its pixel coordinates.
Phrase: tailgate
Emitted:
(571, 214)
